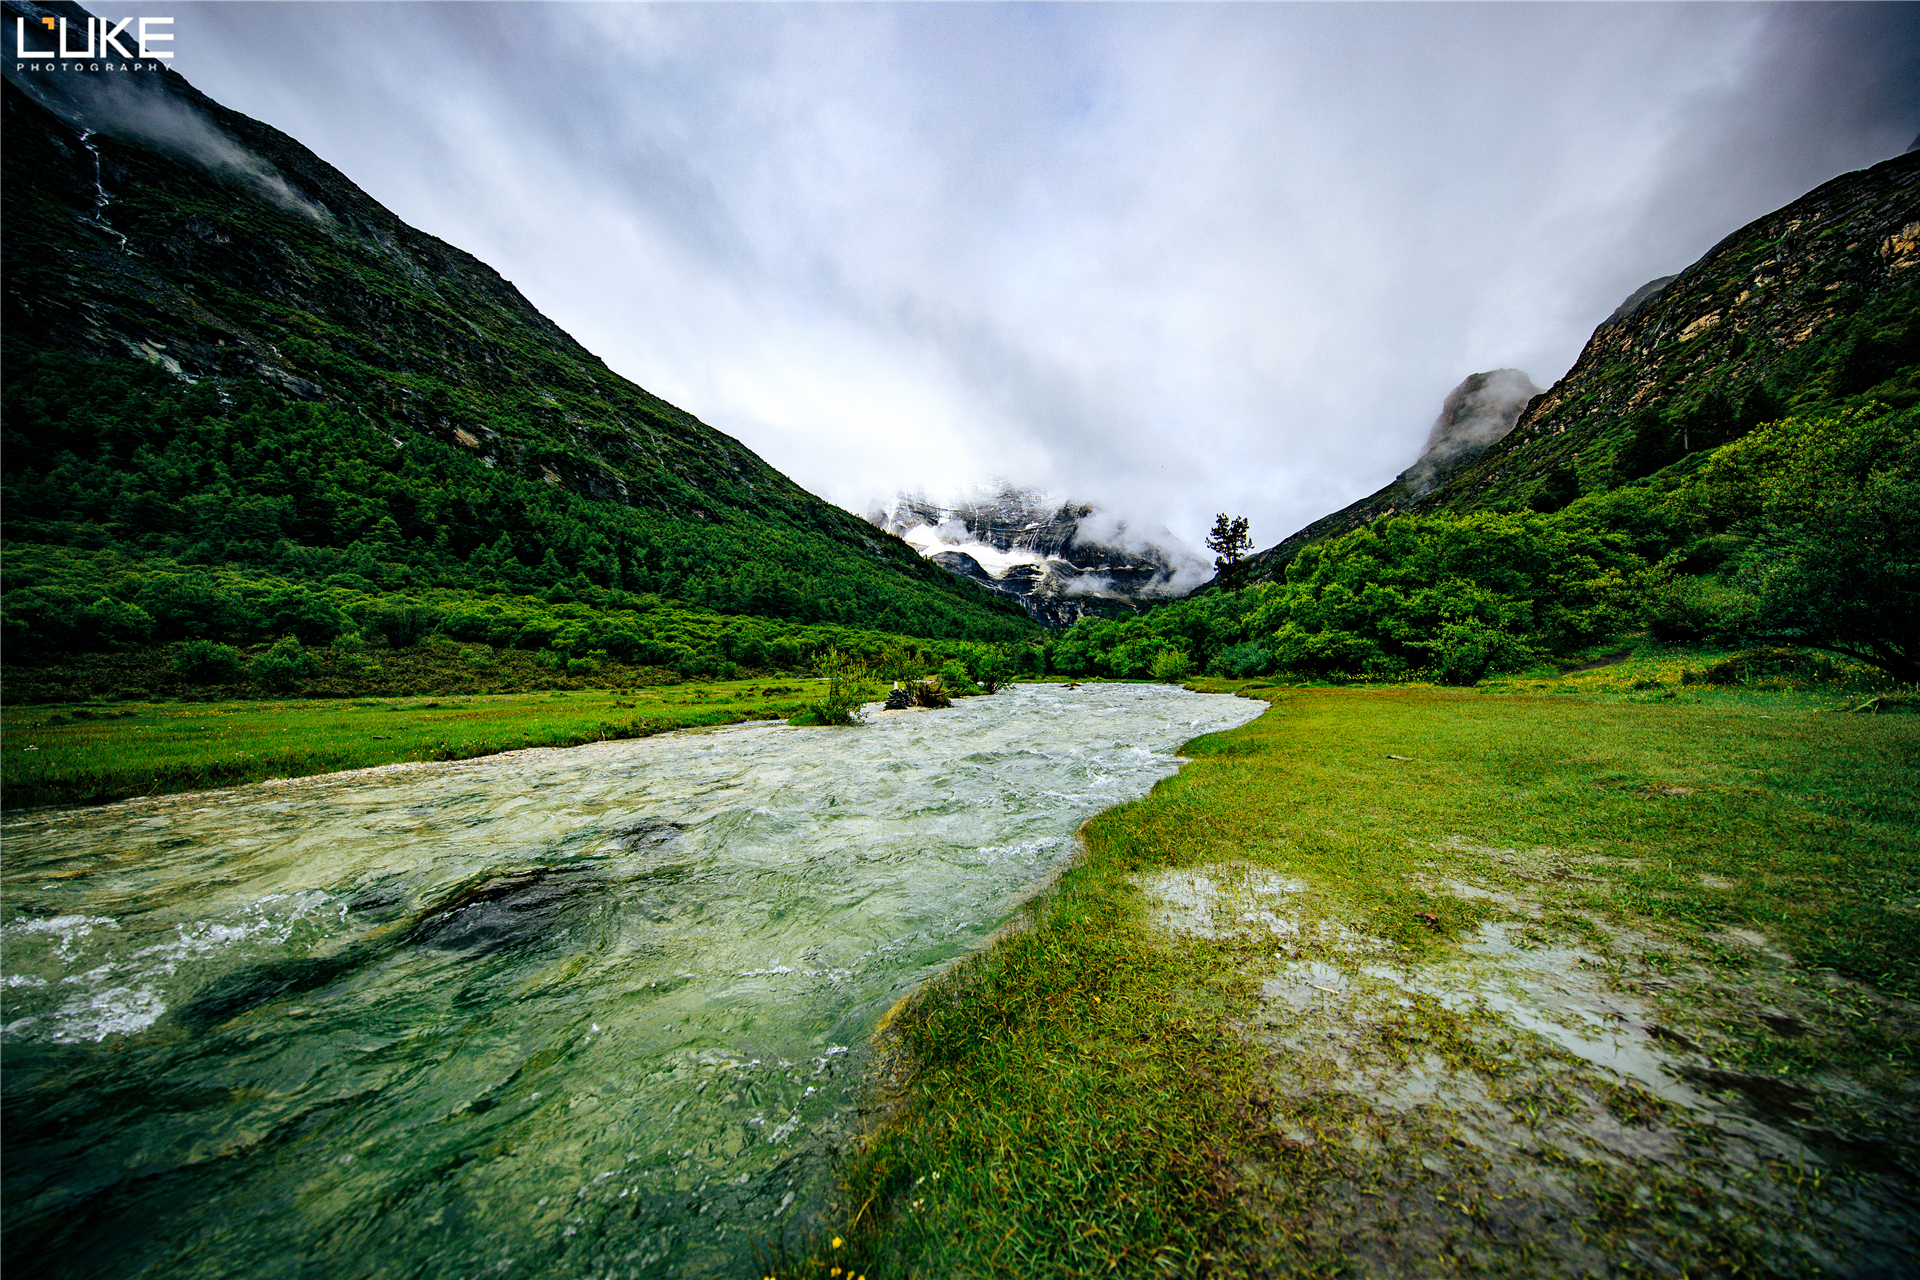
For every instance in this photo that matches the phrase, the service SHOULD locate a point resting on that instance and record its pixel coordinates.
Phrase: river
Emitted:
(594, 1012)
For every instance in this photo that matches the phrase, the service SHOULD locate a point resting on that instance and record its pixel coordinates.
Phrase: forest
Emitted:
(211, 520)
(141, 511)
(1804, 532)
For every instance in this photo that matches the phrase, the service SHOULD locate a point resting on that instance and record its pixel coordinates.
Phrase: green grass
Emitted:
(84, 752)
(1086, 1098)
(1089, 1096)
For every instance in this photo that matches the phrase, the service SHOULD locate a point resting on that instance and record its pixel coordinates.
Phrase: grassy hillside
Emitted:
(1808, 311)
(222, 357)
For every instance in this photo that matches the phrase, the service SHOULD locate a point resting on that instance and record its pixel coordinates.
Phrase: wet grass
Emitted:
(96, 751)
(1086, 1099)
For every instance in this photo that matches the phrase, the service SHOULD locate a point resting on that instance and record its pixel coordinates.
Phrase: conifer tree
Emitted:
(1230, 541)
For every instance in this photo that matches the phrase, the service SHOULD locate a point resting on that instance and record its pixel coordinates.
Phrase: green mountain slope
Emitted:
(222, 355)
(1810, 308)
(1733, 461)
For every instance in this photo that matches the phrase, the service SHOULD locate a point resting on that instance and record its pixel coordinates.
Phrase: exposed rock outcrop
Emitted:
(1058, 559)
(1475, 415)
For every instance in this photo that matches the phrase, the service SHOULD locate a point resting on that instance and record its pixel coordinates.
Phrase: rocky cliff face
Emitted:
(1813, 302)
(1058, 559)
(1475, 415)
(1810, 304)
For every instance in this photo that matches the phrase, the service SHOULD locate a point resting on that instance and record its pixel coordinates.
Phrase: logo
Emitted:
(105, 39)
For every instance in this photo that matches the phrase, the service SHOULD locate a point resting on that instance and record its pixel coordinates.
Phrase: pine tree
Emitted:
(1231, 541)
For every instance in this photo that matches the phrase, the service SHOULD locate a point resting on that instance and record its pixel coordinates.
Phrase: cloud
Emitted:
(1479, 411)
(1170, 260)
(141, 108)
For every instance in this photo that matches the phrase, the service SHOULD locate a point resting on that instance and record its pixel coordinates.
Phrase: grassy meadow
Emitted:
(1333, 1075)
(99, 750)
(1284, 1016)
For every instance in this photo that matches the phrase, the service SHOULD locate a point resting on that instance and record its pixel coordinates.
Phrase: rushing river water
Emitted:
(595, 1012)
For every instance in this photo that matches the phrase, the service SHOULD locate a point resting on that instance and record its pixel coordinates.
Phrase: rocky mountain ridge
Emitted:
(1475, 416)
(1060, 559)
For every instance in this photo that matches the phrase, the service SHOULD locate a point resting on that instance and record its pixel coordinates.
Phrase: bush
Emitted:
(705, 666)
(1171, 666)
(1691, 610)
(401, 623)
(1467, 651)
(956, 679)
(115, 622)
(1834, 504)
(283, 666)
(1779, 662)
(992, 669)
(189, 607)
(1242, 661)
(847, 689)
(207, 662)
(298, 612)
(1459, 595)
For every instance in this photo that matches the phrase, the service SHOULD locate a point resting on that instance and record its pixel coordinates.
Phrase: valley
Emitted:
(452, 824)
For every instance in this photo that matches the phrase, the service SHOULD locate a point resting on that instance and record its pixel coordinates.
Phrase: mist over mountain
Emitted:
(1059, 559)
(1479, 411)
(1810, 304)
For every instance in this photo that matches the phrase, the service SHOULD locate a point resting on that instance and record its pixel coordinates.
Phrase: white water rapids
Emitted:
(556, 1013)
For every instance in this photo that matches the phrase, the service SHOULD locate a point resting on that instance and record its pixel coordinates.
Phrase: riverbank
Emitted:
(1418, 981)
(582, 1012)
(130, 742)
(91, 752)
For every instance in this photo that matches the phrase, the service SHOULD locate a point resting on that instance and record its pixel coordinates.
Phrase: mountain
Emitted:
(1475, 416)
(1811, 305)
(1061, 560)
(220, 351)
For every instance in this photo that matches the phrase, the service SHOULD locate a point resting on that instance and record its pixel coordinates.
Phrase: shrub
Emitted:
(115, 622)
(208, 662)
(401, 623)
(1834, 503)
(1467, 651)
(1774, 663)
(189, 607)
(705, 666)
(992, 669)
(298, 612)
(1691, 610)
(1170, 666)
(1435, 592)
(1242, 661)
(956, 679)
(283, 666)
(847, 689)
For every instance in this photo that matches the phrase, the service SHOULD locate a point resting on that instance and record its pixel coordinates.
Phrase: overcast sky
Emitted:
(1171, 259)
